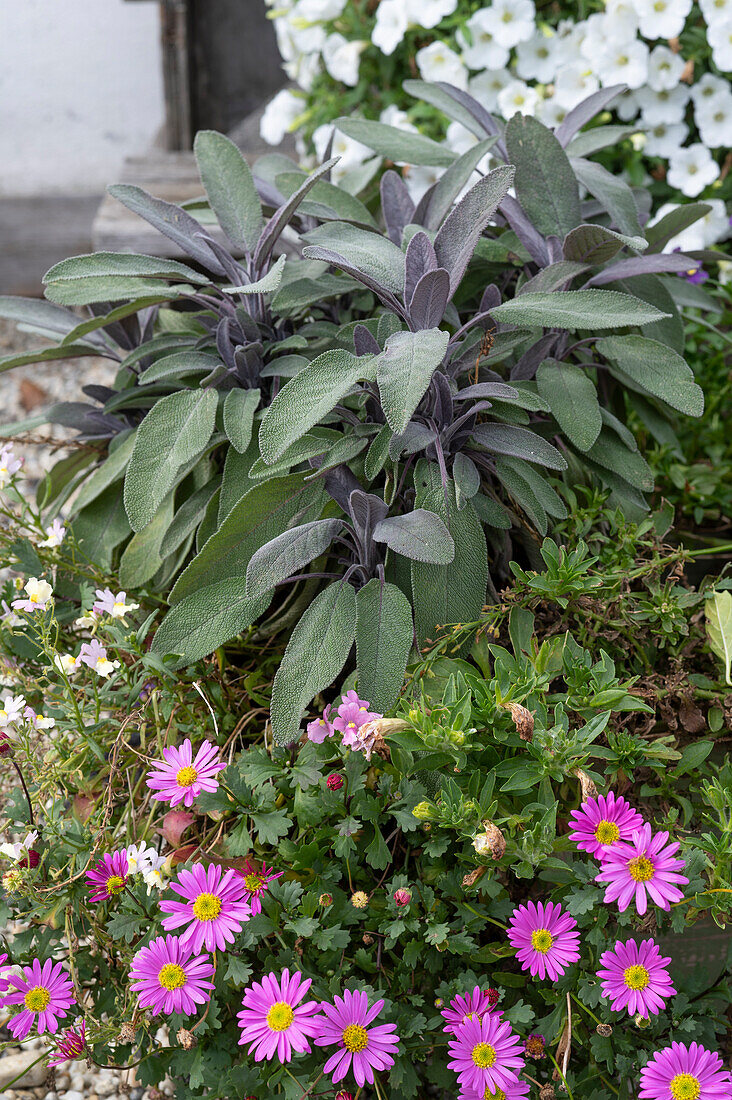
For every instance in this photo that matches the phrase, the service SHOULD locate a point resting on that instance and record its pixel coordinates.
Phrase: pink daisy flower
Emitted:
(273, 1020)
(634, 976)
(679, 1072)
(4, 983)
(320, 728)
(486, 1054)
(70, 1046)
(464, 1007)
(516, 1091)
(361, 1047)
(180, 778)
(645, 866)
(257, 883)
(544, 938)
(168, 977)
(602, 821)
(45, 992)
(108, 876)
(213, 907)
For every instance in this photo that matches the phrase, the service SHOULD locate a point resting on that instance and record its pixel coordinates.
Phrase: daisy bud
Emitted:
(334, 782)
(359, 900)
(547, 1093)
(126, 1033)
(6, 745)
(367, 939)
(343, 1095)
(325, 900)
(423, 811)
(523, 720)
(641, 1021)
(186, 1039)
(402, 898)
(493, 997)
(604, 1030)
(439, 1002)
(472, 877)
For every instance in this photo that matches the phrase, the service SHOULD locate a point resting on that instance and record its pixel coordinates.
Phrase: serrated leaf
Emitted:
(718, 616)
(315, 654)
(239, 409)
(654, 368)
(420, 535)
(573, 400)
(176, 429)
(203, 621)
(577, 309)
(404, 370)
(288, 553)
(307, 397)
(231, 192)
(545, 184)
(384, 632)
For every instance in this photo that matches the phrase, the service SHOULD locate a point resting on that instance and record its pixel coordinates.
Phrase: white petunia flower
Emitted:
(536, 58)
(715, 226)
(692, 169)
(391, 25)
(625, 63)
(626, 107)
(715, 12)
(708, 88)
(666, 106)
(720, 39)
(319, 10)
(622, 18)
(303, 69)
(665, 138)
(438, 62)
(517, 98)
(704, 232)
(394, 116)
(480, 48)
(485, 86)
(419, 178)
(513, 21)
(279, 115)
(573, 84)
(664, 68)
(352, 153)
(714, 121)
(662, 18)
(342, 58)
(551, 112)
(428, 13)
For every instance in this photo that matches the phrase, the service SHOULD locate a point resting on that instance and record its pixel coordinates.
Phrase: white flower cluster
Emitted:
(511, 63)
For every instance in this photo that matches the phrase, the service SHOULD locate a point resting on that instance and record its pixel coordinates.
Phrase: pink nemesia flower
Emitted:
(180, 778)
(602, 821)
(515, 1091)
(45, 992)
(634, 976)
(9, 466)
(70, 1046)
(4, 983)
(273, 1020)
(464, 1007)
(256, 881)
(108, 876)
(645, 866)
(168, 977)
(361, 1047)
(685, 1073)
(352, 714)
(486, 1054)
(94, 655)
(11, 710)
(37, 595)
(320, 728)
(544, 938)
(116, 607)
(214, 907)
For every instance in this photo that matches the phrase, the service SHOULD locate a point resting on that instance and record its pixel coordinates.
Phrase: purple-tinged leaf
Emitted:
(420, 259)
(396, 204)
(527, 365)
(585, 111)
(364, 341)
(170, 220)
(461, 106)
(366, 510)
(317, 252)
(553, 277)
(673, 223)
(530, 237)
(462, 229)
(491, 297)
(420, 535)
(643, 265)
(443, 194)
(545, 184)
(430, 299)
(281, 217)
(613, 192)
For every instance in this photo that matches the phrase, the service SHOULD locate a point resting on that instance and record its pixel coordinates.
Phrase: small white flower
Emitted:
(536, 58)
(551, 112)
(665, 106)
(662, 18)
(438, 62)
(11, 710)
(155, 878)
(573, 84)
(143, 858)
(480, 49)
(64, 662)
(714, 121)
(394, 116)
(715, 12)
(279, 115)
(419, 178)
(55, 534)
(342, 58)
(352, 153)
(665, 138)
(626, 107)
(485, 86)
(715, 225)
(708, 88)
(622, 18)
(303, 69)
(319, 10)
(692, 169)
(721, 42)
(9, 466)
(87, 622)
(428, 13)
(664, 68)
(517, 98)
(513, 21)
(626, 63)
(391, 25)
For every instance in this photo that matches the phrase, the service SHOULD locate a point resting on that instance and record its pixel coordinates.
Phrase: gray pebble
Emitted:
(72, 1094)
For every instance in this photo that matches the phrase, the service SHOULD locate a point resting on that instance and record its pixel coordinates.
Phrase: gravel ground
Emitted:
(24, 392)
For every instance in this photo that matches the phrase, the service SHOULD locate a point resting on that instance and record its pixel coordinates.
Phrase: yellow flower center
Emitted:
(206, 907)
(541, 940)
(499, 1094)
(114, 884)
(34, 598)
(641, 869)
(186, 777)
(355, 1038)
(685, 1087)
(636, 977)
(253, 883)
(3, 714)
(484, 1055)
(280, 1016)
(607, 832)
(172, 976)
(37, 999)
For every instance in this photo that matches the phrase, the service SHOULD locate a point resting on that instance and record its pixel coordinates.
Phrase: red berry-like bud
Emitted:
(6, 745)
(334, 782)
(32, 859)
(402, 898)
(493, 997)
(343, 1095)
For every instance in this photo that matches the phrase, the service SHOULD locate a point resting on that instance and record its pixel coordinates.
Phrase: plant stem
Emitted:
(564, 1079)
(25, 791)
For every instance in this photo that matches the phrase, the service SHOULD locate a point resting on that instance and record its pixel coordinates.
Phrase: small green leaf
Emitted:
(420, 535)
(289, 552)
(545, 184)
(397, 145)
(718, 614)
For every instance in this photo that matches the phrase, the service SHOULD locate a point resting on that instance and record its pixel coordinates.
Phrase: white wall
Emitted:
(80, 89)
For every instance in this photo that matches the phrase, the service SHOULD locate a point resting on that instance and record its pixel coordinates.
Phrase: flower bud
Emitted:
(535, 1047)
(604, 1030)
(641, 1021)
(334, 782)
(359, 900)
(490, 843)
(439, 1002)
(456, 737)
(6, 745)
(424, 811)
(186, 1039)
(402, 897)
(343, 1095)
(325, 900)
(493, 997)
(32, 859)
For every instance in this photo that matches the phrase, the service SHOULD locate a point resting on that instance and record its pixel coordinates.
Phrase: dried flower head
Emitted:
(491, 842)
(126, 1033)
(604, 1030)
(523, 720)
(186, 1039)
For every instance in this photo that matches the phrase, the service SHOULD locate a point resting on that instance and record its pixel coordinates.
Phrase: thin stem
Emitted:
(25, 791)
(592, 1014)
(559, 1071)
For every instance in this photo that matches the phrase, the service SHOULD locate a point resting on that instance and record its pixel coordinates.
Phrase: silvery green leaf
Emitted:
(384, 633)
(124, 265)
(178, 364)
(612, 191)
(611, 454)
(206, 619)
(420, 535)
(266, 285)
(398, 145)
(654, 368)
(572, 397)
(674, 222)
(577, 309)
(142, 558)
(545, 184)
(172, 221)
(507, 439)
(461, 230)
(371, 253)
(229, 185)
(239, 409)
(287, 553)
(404, 370)
(441, 197)
(595, 244)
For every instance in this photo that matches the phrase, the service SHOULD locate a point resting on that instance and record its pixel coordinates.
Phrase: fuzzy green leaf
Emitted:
(230, 188)
(206, 619)
(573, 400)
(404, 370)
(420, 535)
(577, 309)
(718, 614)
(545, 184)
(384, 632)
(286, 554)
(398, 145)
(656, 369)
(239, 409)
